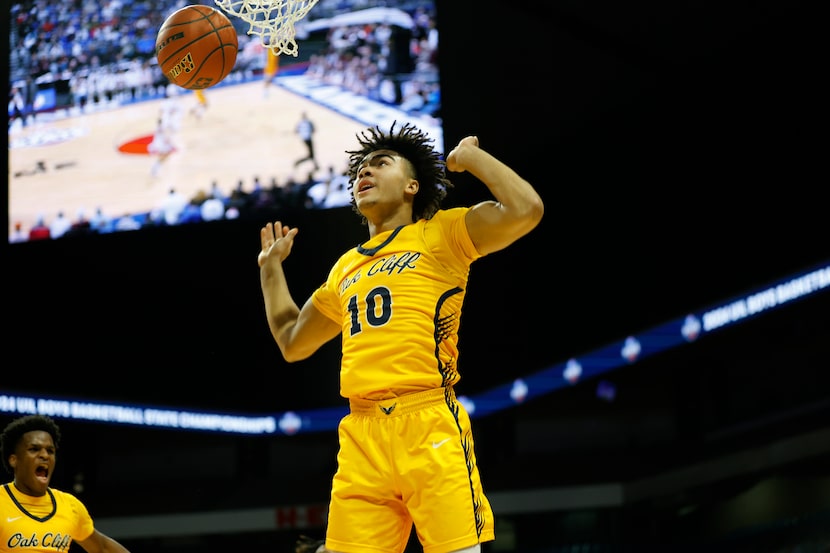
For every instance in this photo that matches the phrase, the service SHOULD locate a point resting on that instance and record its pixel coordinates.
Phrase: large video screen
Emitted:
(100, 141)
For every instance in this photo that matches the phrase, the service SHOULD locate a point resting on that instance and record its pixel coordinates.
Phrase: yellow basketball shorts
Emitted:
(404, 461)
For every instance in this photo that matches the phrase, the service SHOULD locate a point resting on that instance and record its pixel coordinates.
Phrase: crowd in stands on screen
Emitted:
(216, 191)
(80, 225)
(17, 234)
(99, 222)
(192, 210)
(59, 225)
(238, 199)
(318, 191)
(210, 204)
(212, 209)
(413, 100)
(281, 195)
(331, 191)
(105, 51)
(170, 208)
(105, 47)
(263, 198)
(127, 222)
(369, 60)
(340, 194)
(40, 230)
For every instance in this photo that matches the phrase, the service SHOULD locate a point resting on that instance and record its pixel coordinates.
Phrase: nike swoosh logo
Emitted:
(12, 519)
(436, 445)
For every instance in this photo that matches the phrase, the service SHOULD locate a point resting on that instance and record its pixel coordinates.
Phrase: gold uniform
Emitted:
(406, 445)
(41, 524)
(272, 63)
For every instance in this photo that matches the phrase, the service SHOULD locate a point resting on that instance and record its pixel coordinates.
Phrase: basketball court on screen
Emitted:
(90, 157)
(68, 163)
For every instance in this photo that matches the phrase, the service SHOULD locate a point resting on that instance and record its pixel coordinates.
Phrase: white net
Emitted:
(271, 20)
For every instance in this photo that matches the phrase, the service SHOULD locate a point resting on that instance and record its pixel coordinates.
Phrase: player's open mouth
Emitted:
(364, 185)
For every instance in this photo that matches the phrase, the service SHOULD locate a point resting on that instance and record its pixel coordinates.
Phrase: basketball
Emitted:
(196, 47)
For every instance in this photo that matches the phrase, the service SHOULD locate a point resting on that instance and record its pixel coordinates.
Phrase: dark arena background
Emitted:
(650, 366)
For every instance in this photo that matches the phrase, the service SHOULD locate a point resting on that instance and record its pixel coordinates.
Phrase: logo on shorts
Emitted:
(436, 445)
(388, 410)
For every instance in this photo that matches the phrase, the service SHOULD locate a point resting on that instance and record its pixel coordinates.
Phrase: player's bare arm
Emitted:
(98, 542)
(517, 209)
(311, 330)
(298, 332)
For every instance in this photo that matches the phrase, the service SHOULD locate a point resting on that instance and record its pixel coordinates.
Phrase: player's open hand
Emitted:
(455, 160)
(276, 241)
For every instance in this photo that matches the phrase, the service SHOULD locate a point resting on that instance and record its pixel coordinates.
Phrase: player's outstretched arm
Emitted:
(494, 225)
(298, 332)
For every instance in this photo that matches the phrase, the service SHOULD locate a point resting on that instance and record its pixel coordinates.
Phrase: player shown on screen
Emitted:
(272, 65)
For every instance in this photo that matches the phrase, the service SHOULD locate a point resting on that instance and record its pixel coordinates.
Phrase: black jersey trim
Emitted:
(372, 251)
(27, 513)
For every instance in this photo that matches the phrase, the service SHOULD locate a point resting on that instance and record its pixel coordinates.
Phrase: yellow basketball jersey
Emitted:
(272, 63)
(398, 298)
(41, 524)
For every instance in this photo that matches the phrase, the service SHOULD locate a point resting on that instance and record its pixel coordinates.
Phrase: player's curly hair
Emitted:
(416, 147)
(14, 431)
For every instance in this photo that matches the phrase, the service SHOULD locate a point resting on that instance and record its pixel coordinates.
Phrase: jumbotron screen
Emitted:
(88, 102)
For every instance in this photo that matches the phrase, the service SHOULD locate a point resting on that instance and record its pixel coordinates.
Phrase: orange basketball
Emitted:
(196, 47)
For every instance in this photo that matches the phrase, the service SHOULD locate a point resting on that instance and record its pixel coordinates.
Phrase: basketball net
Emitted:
(271, 20)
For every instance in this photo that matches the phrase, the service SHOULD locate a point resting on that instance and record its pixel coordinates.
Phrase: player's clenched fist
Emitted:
(455, 159)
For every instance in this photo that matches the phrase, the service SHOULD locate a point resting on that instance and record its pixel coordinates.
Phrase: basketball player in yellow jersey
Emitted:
(199, 109)
(406, 454)
(33, 516)
(272, 63)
